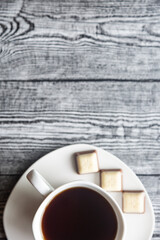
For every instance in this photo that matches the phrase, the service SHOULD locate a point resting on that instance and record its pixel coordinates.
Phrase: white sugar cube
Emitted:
(133, 202)
(111, 180)
(87, 162)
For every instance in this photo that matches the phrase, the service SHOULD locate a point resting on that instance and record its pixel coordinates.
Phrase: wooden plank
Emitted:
(16, 161)
(38, 117)
(152, 184)
(106, 97)
(80, 40)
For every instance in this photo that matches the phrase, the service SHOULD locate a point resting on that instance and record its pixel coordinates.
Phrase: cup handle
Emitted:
(42, 186)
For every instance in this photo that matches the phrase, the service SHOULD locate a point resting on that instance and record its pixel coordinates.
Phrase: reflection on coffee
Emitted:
(79, 214)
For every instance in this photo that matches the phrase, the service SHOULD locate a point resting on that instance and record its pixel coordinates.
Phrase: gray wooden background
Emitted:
(80, 71)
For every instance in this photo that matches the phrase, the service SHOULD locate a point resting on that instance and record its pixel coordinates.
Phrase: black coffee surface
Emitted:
(79, 214)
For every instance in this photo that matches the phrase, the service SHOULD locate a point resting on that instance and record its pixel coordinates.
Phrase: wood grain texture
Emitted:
(37, 117)
(59, 47)
(122, 117)
(79, 39)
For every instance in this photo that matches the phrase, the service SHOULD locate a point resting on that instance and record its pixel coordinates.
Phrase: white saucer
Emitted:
(58, 167)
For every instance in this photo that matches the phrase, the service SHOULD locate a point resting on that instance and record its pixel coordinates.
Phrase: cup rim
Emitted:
(73, 184)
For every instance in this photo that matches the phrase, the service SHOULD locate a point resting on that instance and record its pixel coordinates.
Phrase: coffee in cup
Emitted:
(78, 210)
(79, 213)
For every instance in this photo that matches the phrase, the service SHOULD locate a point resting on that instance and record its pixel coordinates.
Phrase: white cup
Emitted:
(49, 193)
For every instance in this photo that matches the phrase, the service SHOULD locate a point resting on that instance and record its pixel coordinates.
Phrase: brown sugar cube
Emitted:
(87, 162)
(133, 202)
(111, 180)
